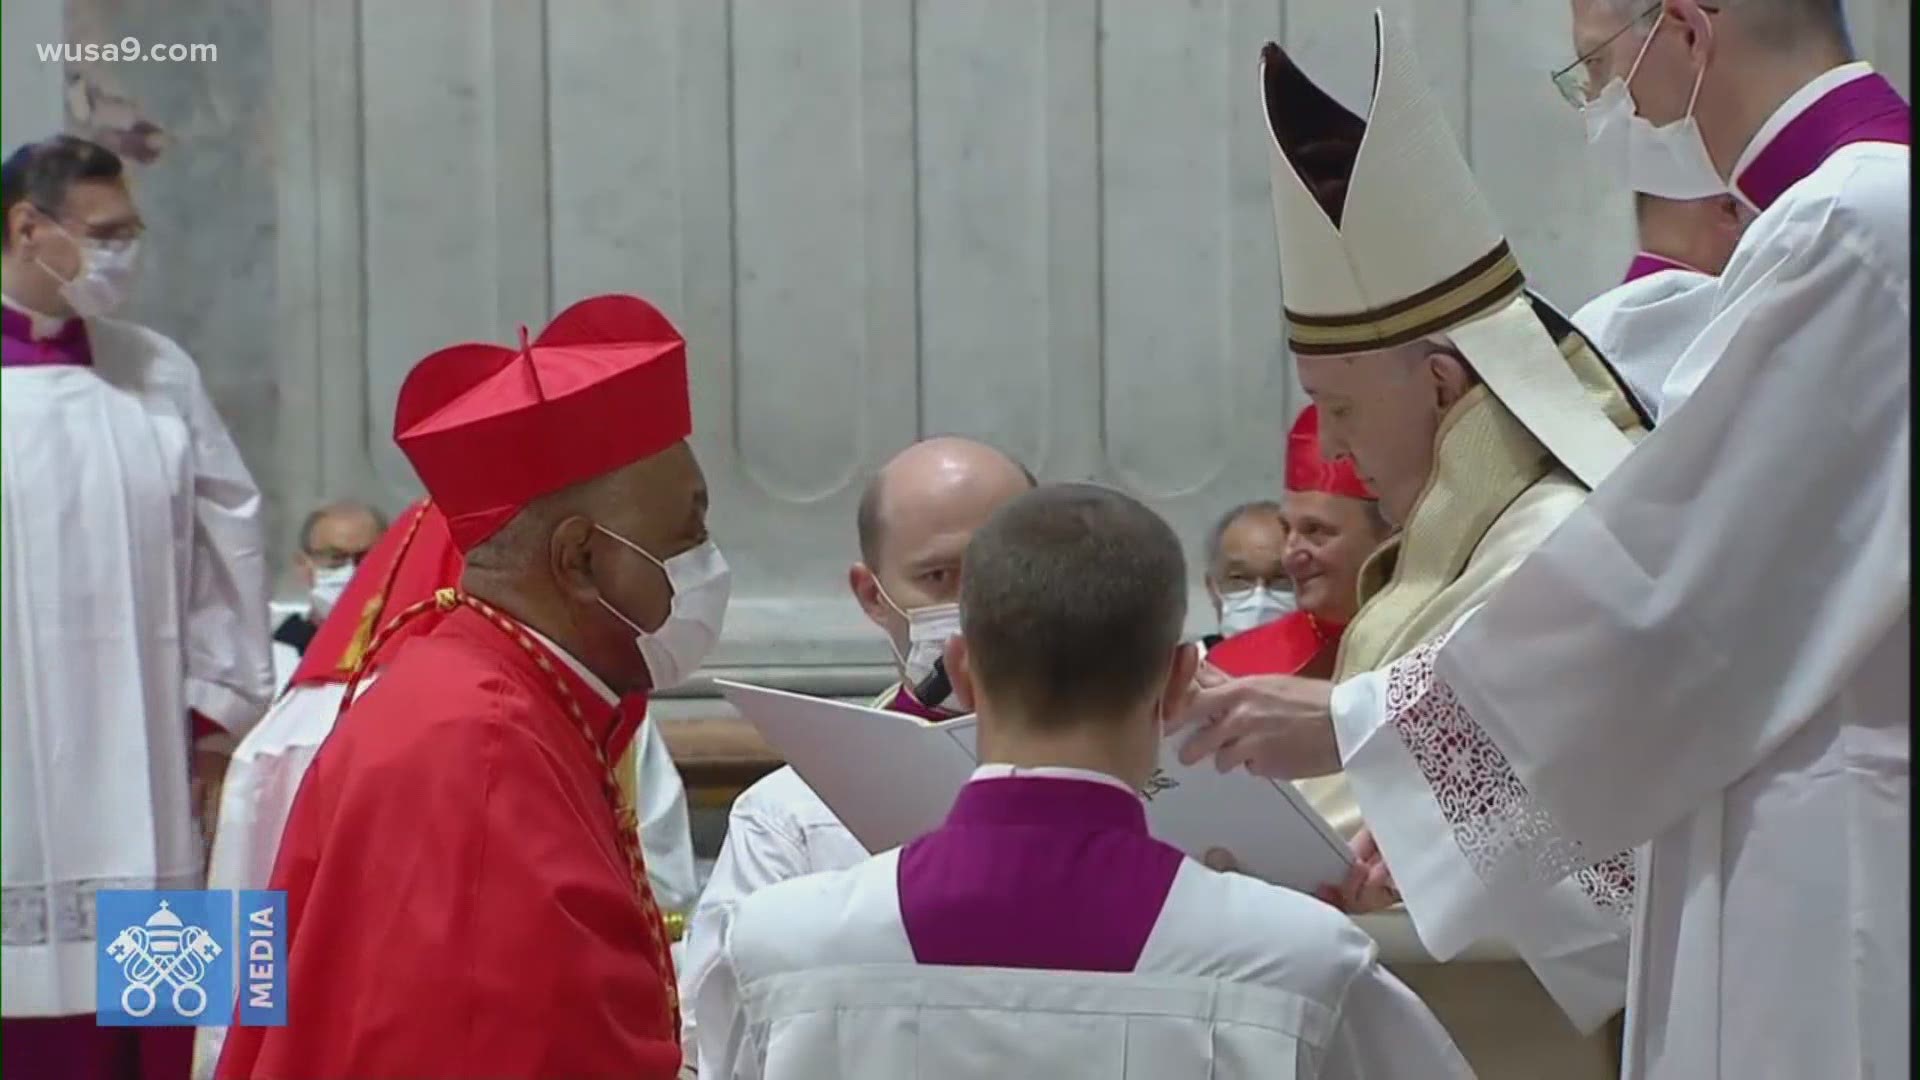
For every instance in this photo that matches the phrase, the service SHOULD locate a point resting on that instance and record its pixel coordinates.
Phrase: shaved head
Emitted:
(947, 477)
(916, 517)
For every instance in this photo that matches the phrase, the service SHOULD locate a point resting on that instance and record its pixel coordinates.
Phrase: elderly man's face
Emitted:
(1329, 538)
(1253, 552)
(1382, 410)
(337, 540)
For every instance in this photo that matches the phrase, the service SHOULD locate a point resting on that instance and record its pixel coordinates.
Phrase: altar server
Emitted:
(1041, 931)
(914, 520)
(466, 892)
(135, 594)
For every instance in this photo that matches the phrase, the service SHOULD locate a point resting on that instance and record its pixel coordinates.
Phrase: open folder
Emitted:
(891, 778)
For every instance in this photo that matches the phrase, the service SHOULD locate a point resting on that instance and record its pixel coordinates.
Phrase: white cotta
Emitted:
(1711, 662)
(1643, 326)
(816, 977)
(134, 589)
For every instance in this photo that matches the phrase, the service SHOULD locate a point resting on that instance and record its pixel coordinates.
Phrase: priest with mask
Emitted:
(914, 520)
(1246, 574)
(1040, 931)
(466, 891)
(1635, 685)
(1481, 419)
(135, 640)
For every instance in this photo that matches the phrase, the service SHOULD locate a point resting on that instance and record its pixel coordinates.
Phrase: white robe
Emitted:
(1642, 326)
(134, 590)
(776, 829)
(270, 762)
(816, 977)
(1712, 658)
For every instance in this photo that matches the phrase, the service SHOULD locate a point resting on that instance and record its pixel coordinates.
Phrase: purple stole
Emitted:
(904, 702)
(19, 348)
(1866, 109)
(1036, 872)
(1646, 263)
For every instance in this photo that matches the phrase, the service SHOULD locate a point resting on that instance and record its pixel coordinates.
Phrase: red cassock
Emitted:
(485, 923)
(466, 896)
(1284, 646)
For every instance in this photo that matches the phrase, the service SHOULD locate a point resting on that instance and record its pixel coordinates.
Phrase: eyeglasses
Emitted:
(334, 559)
(1575, 81)
(117, 234)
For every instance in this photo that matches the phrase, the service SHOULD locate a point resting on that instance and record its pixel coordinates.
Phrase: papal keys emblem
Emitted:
(164, 951)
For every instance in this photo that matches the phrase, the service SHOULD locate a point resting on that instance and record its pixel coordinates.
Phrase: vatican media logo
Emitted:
(168, 957)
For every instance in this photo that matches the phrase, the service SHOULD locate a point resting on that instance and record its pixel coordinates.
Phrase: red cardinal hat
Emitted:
(490, 429)
(1307, 470)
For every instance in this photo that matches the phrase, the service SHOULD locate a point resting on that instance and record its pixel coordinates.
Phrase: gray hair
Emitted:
(338, 508)
(1218, 533)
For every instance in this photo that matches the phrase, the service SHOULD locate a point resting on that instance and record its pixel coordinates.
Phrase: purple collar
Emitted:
(1046, 800)
(1646, 263)
(1036, 872)
(20, 348)
(904, 702)
(1863, 109)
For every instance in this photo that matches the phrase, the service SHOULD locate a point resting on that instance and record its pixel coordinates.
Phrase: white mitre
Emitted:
(1385, 239)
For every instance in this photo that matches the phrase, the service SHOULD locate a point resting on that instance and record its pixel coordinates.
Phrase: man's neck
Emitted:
(1765, 83)
(537, 617)
(1079, 746)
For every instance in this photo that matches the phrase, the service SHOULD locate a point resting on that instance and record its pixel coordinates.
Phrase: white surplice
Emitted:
(134, 590)
(1642, 326)
(776, 829)
(1712, 659)
(816, 977)
(271, 761)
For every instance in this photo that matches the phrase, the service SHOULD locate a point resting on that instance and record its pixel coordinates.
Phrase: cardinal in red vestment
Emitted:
(465, 890)
(1333, 524)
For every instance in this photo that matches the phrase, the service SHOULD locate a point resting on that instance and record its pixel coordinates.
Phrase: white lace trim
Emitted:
(1501, 829)
(65, 910)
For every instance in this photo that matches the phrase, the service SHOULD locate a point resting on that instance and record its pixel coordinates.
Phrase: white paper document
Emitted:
(891, 778)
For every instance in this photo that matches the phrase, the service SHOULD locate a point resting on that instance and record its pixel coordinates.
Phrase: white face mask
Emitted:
(105, 278)
(1669, 162)
(928, 631)
(1244, 609)
(701, 585)
(328, 583)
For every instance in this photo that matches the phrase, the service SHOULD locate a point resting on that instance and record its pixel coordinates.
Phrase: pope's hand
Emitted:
(1277, 726)
(1369, 884)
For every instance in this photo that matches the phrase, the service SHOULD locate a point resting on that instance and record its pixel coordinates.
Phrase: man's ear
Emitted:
(1451, 380)
(865, 587)
(570, 559)
(1186, 661)
(1213, 593)
(960, 672)
(1698, 27)
(21, 222)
